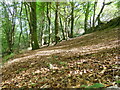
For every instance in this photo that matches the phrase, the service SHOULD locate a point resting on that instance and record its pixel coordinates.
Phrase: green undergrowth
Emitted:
(7, 57)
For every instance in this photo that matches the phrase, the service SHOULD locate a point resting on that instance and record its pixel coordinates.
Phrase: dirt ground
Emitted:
(84, 60)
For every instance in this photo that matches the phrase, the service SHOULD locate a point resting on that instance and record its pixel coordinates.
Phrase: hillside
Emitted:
(85, 60)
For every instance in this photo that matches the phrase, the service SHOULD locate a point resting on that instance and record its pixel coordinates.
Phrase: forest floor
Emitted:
(84, 60)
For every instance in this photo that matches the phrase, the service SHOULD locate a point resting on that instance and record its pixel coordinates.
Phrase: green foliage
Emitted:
(63, 63)
(6, 58)
(117, 81)
(84, 86)
(96, 85)
(117, 4)
(55, 56)
(77, 35)
(21, 33)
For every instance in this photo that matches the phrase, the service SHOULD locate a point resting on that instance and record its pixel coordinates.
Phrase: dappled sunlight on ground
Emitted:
(48, 52)
(72, 63)
(82, 50)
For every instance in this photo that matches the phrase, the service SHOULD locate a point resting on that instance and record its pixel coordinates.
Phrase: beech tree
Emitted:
(56, 24)
(33, 26)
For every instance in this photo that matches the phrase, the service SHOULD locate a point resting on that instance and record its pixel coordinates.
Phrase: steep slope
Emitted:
(88, 59)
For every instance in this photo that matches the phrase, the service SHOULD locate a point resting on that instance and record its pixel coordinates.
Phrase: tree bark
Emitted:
(72, 19)
(93, 24)
(20, 26)
(10, 23)
(33, 25)
(86, 17)
(56, 24)
(49, 21)
(62, 28)
(98, 17)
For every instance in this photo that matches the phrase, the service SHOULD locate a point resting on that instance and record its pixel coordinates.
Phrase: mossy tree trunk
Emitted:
(33, 26)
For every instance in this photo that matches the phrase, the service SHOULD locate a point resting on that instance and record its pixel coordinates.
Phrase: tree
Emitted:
(62, 29)
(33, 26)
(56, 24)
(26, 23)
(103, 6)
(49, 21)
(9, 24)
(94, 10)
(20, 25)
(86, 16)
(72, 19)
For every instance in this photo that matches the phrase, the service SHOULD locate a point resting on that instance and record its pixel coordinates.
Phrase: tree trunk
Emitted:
(62, 29)
(56, 24)
(33, 25)
(49, 21)
(72, 19)
(86, 17)
(98, 17)
(93, 24)
(10, 23)
(20, 27)
(66, 34)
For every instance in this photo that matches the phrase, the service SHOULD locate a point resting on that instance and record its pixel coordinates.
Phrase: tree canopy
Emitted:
(36, 24)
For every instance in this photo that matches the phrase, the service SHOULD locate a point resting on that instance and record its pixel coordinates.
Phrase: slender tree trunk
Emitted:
(10, 30)
(93, 24)
(28, 34)
(62, 28)
(65, 24)
(72, 19)
(49, 21)
(66, 34)
(20, 27)
(98, 17)
(86, 17)
(43, 24)
(56, 24)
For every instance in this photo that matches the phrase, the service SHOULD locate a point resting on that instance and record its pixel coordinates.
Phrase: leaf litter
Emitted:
(79, 62)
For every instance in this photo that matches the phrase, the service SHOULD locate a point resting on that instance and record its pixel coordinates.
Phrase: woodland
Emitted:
(72, 44)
